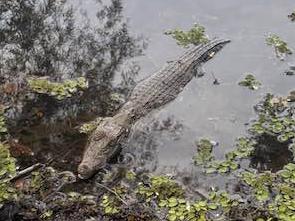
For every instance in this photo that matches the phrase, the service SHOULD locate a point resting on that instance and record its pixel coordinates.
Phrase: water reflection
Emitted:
(270, 154)
(48, 39)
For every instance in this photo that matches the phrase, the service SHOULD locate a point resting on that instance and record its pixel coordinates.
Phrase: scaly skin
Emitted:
(157, 90)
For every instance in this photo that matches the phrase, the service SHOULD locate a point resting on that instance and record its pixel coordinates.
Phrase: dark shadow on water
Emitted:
(270, 154)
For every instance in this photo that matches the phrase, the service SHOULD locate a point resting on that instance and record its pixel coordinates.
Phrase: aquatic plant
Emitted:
(280, 46)
(196, 35)
(110, 204)
(250, 82)
(181, 209)
(275, 119)
(204, 152)
(58, 90)
(260, 183)
(288, 173)
(7, 171)
(273, 194)
(160, 188)
(222, 199)
(244, 148)
(3, 128)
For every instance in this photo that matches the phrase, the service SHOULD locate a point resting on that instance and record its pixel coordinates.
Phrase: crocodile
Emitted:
(151, 93)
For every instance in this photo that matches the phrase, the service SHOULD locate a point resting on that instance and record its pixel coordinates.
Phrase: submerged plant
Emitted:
(58, 90)
(250, 82)
(196, 35)
(280, 46)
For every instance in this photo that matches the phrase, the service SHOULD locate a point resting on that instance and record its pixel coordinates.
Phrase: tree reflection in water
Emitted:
(46, 39)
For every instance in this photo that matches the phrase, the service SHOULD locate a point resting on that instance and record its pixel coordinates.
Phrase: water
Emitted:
(218, 112)
(206, 110)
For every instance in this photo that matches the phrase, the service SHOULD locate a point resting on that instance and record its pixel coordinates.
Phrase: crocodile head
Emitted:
(98, 149)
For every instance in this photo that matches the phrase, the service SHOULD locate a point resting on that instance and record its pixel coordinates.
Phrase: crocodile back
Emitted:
(164, 85)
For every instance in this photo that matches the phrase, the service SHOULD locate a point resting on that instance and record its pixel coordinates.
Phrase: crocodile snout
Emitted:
(84, 171)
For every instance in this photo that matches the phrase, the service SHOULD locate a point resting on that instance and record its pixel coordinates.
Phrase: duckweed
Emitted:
(196, 35)
(58, 90)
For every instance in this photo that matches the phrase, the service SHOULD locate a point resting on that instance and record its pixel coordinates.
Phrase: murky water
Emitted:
(166, 137)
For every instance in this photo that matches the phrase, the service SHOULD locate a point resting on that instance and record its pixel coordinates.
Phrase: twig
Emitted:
(26, 171)
(113, 192)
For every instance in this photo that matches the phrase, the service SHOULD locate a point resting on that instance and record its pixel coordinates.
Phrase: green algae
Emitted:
(196, 35)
